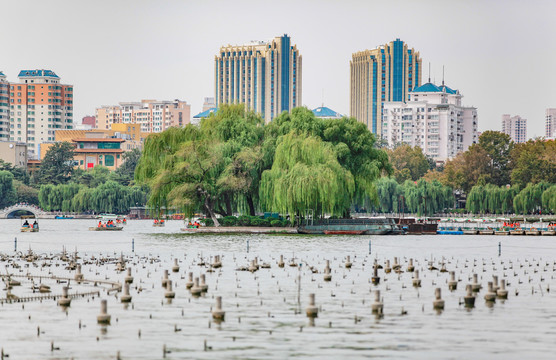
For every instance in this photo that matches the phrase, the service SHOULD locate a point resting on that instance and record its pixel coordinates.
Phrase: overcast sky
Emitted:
(501, 55)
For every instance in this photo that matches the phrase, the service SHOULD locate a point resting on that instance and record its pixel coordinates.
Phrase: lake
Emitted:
(265, 310)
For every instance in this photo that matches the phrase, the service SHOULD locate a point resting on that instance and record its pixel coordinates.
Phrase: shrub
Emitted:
(276, 223)
(229, 221)
(244, 220)
(260, 222)
(207, 221)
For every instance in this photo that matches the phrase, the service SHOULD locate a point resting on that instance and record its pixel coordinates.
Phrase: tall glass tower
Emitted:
(387, 73)
(265, 76)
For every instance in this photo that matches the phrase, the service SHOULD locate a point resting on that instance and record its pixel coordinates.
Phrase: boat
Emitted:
(502, 231)
(63, 217)
(108, 228)
(422, 228)
(470, 231)
(361, 226)
(548, 232)
(486, 232)
(159, 223)
(26, 227)
(532, 231)
(518, 231)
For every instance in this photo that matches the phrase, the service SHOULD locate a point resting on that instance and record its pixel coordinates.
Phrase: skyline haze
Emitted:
(498, 54)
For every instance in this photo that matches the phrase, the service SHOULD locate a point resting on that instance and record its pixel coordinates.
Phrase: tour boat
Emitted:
(362, 226)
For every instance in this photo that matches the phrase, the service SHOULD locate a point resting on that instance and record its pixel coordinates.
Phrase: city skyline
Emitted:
(499, 66)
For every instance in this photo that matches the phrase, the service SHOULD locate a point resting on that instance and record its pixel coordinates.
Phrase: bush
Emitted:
(229, 221)
(208, 222)
(260, 222)
(244, 220)
(276, 223)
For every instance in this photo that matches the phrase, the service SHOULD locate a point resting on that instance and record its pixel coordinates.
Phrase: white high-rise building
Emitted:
(434, 119)
(4, 108)
(551, 124)
(515, 126)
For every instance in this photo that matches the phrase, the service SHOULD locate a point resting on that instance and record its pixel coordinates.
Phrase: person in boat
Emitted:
(124, 221)
(100, 223)
(26, 223)
(162, 221)
(189, 225)
(156, 221)
(35, 225)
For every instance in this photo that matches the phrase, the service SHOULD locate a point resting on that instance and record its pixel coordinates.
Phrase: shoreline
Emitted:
(240, 230)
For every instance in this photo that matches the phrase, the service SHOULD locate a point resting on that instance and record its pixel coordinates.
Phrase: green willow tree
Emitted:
(424, 198)
(214, 168)
(529, 200)
(8, 195)
(306, 175)
(549, 199)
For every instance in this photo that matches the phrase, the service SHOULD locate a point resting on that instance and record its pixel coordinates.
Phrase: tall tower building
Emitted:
(515, 126)
(551, 124)
(265, 76)
(4, 108)
(39, 105)
(387, 73)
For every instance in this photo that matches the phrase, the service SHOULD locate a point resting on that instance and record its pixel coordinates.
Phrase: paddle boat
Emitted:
(26, 226)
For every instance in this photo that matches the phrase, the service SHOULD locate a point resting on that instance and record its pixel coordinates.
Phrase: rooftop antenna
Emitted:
(429, 71)
(442, 75)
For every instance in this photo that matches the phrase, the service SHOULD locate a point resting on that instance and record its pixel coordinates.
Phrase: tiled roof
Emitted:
(96, 151)
(98, 140)
(37, 72)
(205, 114)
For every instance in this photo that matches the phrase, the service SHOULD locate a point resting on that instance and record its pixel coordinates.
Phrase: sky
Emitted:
(501, 55)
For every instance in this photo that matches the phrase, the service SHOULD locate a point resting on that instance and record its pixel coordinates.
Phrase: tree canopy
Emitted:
(233, 162)
(57, 165)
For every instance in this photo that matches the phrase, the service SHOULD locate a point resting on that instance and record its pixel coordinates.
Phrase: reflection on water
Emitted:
(263, 316)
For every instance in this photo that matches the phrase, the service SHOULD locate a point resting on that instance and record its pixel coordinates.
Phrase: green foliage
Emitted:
(234, 162)
(110, 197)
(8, 194)
(26, 193)
(534, 162)
(409, 163)
(491, 199)
(498, 146)
(126, 172)
(306, 175)
(549, 199)
(57, 165)
(529, 200)
(20, 174)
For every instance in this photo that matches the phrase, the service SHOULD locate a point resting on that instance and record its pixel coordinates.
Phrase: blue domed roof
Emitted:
(324, 112)
(205, 114)
(430, 87)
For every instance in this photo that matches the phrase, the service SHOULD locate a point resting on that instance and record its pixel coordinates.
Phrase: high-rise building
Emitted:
(387, 73)
(4, 108)
(515, 126)
(39, 104)
(551, 124)
(265, 76)
(154, 116)
(434, 119)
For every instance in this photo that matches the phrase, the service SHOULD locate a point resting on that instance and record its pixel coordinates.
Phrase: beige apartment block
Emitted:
(14, 153)
(386, 73)
(153, 116)
(263, 75)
